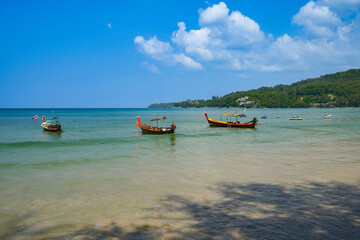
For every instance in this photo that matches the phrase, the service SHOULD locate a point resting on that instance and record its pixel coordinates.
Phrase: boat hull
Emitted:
(158, 131)
(51, 127)
(216, 123)
(155, 130)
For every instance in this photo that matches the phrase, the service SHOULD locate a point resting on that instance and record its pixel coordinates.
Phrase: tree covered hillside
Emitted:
(340, 89)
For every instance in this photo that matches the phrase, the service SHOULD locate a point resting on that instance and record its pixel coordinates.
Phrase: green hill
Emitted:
(340, 89)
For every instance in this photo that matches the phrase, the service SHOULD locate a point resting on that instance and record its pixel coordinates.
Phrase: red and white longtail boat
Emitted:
(155, 130)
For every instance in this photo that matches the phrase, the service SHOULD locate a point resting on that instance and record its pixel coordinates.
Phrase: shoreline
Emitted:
(251, 108)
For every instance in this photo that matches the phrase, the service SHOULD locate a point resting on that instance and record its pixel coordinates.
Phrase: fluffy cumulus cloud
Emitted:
(230, 39)
(195, 42)
(220, 33)
(216, 13)
(162, 51)
(153, 47)
(187, 61)
(242, 30)
(233, 30)
(317, 20)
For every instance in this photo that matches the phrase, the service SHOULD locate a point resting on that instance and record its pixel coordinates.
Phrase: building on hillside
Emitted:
(322, 105)
(245, 101)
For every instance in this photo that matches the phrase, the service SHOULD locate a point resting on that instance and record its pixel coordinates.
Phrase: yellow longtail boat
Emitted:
(237, 124)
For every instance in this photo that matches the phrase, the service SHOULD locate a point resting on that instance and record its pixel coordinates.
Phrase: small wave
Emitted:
(7, 165)
(219, 133)
(52, 164)
(80, 142)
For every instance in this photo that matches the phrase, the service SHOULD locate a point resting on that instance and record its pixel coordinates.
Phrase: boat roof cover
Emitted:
(54, 120)
(158, 119)
(233, 115)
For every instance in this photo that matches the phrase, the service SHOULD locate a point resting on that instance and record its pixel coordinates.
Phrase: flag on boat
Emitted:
(35, 117)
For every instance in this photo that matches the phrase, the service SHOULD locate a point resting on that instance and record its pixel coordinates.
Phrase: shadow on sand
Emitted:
(251, 211)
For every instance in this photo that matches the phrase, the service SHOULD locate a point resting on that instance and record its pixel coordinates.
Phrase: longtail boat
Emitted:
(155, 129)
(213, 122)
(52, 125)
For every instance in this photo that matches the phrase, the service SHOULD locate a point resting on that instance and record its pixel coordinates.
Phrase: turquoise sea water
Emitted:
(102, 177)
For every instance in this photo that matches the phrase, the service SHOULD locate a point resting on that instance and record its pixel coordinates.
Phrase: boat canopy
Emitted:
(233, 115)
(54, 121)
(158, 119)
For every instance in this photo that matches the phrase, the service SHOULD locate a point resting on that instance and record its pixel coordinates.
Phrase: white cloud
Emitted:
(352, 4)
(317, 20)
(300, 54)
(243, 31)
(187, 61)
(219, 33)
(216, 13)
(153, 47)
(270, 68)
(162, 51)
(151, 67)
(195, 42)
(287, 48)
(230, 40)
(317, 14)
(234, 30)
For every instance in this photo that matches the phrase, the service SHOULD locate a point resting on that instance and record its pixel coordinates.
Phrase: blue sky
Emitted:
(134, 53)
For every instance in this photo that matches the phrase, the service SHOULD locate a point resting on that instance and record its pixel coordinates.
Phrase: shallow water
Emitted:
(101, 177)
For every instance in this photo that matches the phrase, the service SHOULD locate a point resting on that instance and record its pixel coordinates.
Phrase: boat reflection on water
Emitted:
(49, 135)
(163, 141)
(157, 141)
(173, 139)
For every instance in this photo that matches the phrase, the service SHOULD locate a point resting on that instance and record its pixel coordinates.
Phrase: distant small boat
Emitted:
(236, 124)
(52, 125)
(278, 116)
(264, 117)
(328, 116)
(296, 118)
(155, 129)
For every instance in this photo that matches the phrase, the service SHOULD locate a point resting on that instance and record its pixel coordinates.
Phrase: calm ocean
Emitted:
(102, 178)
